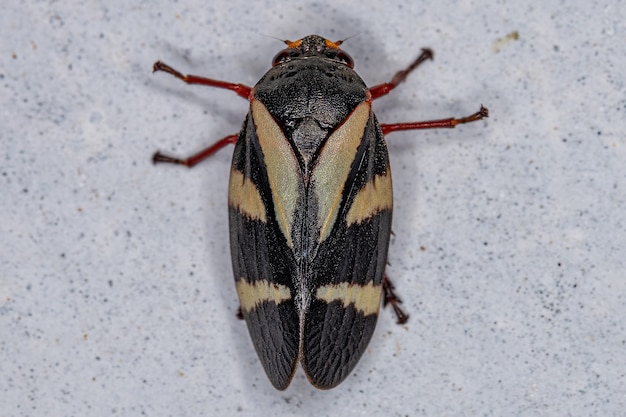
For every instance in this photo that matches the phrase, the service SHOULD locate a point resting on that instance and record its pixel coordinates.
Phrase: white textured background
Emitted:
(116, 294)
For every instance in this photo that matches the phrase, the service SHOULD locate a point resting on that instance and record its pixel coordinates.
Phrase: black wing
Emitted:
(347, 272)
(263, 264)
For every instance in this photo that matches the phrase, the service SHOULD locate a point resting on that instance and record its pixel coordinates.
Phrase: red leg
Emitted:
(240, 89)
(382, 89)
(391, 298)
(433, 124)
(199, 157)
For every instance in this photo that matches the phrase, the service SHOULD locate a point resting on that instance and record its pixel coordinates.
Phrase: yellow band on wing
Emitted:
(364, 298)
(251, 294)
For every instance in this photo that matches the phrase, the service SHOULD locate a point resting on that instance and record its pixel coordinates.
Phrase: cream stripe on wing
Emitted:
(251, 294)
(283, 170)
(375, 196)
(364, 298)
(333, 166)
(244, 196)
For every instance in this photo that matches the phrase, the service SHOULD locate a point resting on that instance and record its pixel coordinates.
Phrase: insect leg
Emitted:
(432, 124)
(383, 89)
(199, 157)
(240, 89)
(391, 298)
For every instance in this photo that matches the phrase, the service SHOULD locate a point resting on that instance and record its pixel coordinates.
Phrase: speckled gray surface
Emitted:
(116, 295)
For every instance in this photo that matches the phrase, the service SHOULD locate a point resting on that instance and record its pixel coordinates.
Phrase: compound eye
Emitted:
(284, 55)
(280, 57)
(347, 59)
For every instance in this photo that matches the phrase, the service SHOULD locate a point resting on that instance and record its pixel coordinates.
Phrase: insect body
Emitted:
(310, 203)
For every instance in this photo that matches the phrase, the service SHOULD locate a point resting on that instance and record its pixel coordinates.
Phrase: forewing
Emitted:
(347, 272)
(263, 262)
